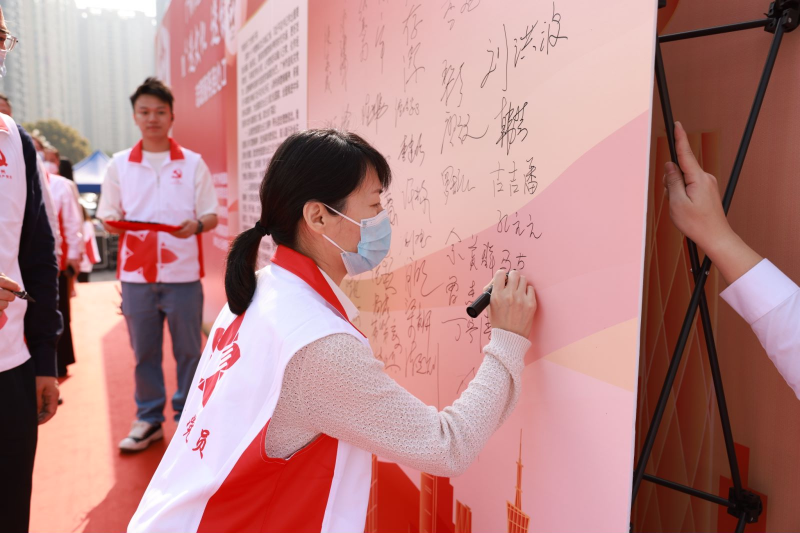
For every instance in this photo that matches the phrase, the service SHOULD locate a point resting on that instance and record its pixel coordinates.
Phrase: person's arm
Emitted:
(343, 392)
(346, 394)
(760, 293)
(8, 287)
(72, 222)
(205, 201)
(695, 207)
(37, 262)
(110, 205)
(73, 188)
(49, 207)
(770, 302)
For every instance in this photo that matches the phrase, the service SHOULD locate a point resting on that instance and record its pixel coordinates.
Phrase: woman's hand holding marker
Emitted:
(513, 303)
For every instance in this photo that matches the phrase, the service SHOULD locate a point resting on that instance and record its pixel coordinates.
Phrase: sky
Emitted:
(148, 6)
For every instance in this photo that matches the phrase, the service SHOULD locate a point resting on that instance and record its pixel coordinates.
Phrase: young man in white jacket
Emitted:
(158, 181)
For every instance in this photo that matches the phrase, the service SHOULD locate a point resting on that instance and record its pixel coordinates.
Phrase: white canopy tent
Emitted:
(89, 173)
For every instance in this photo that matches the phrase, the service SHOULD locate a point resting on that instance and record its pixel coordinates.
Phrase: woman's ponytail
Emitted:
(240, 270)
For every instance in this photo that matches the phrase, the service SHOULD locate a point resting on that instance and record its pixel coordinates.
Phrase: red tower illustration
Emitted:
(372, 506)
(435, 504)
(463, 518)
(517, 520)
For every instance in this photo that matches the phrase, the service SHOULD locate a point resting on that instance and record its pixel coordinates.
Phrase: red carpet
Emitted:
(81, 481)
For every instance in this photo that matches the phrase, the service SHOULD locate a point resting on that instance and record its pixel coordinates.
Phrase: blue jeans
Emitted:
(145, 305)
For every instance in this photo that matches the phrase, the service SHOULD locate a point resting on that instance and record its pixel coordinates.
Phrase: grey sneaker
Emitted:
(141, 436)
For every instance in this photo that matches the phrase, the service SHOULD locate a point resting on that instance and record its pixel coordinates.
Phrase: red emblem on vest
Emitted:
(224, 341)
(3, 162)
(177, 174)
(140, 253)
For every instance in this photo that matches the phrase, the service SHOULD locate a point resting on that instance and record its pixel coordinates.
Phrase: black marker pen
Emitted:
(480, 303)
(23, 295)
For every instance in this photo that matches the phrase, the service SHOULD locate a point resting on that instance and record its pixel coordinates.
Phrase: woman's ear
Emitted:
(315, 216)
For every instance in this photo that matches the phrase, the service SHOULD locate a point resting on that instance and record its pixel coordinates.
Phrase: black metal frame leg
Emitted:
(742, 503)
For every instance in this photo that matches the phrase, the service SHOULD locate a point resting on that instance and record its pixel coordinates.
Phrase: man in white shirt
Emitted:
(158, 181)
(29, 324)
(767, 299)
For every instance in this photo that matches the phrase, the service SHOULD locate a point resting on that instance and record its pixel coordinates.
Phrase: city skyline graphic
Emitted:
(518, 521)
(396, 504)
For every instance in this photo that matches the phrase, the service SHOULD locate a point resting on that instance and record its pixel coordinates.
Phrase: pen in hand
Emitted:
(481, 302)
(23, 295)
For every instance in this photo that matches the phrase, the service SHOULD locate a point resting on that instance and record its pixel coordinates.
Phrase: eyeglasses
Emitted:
(8, 42)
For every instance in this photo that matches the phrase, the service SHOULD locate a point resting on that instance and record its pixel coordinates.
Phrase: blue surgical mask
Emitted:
(3, 62)
(376, 236)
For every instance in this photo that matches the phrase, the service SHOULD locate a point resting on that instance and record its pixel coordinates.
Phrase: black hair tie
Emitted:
(261, 229)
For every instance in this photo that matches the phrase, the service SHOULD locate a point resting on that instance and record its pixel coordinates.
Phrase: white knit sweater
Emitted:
(337, 387)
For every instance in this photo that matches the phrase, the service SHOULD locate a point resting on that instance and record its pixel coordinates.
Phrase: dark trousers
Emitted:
(66, 352)
(19, 432)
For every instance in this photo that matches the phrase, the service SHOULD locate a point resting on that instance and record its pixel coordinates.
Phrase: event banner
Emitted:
(272, 86)
(195, 56)
(518, 133)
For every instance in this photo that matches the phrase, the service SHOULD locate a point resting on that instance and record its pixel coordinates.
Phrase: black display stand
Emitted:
(783, 16)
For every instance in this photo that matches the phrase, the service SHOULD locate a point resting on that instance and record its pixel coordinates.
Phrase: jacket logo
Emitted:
(4, 163)
(140, 254)
(177, 174)
(223, 343)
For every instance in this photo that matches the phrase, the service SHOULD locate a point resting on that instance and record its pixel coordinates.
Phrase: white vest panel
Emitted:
(233, 397)
(13, 195)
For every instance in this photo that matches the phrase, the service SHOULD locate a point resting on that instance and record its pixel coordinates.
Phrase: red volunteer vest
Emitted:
(215, 475)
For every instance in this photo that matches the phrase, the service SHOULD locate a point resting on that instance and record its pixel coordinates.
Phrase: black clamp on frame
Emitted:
(746, 504)
(785, 13)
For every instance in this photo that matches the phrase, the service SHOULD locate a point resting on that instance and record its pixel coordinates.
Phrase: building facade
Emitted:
(161, 8)
(78, 66)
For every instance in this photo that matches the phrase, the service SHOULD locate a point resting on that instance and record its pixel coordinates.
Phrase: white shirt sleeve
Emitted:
(205, 197)
(770, 302)
(50, 209)
(110, 206)
(71, 219)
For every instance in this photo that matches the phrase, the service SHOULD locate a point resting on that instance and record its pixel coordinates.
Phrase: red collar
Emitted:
(307, 270)
(175, 151)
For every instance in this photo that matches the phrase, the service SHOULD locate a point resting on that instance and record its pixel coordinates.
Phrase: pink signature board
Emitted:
(518, 133)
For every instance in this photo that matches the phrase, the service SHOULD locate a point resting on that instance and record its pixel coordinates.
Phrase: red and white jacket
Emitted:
(91, 254)
(215, 475)
(13, 195)
(69, 219)
(167, 196)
